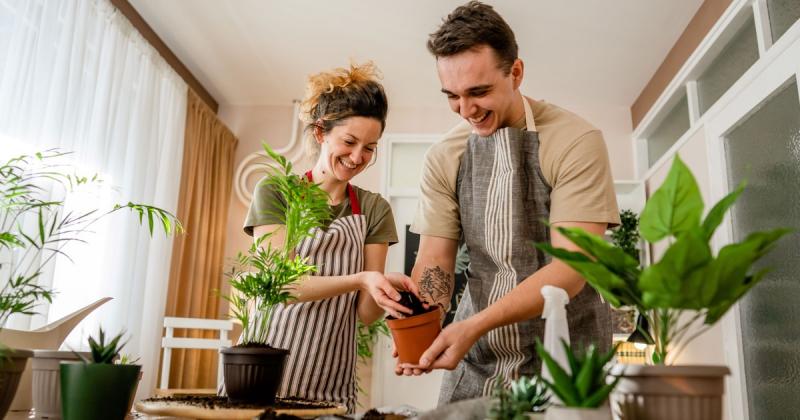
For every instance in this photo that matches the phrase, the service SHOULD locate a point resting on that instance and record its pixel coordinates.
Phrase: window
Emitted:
(671, 128)
(732, 61)
(764, 148)
(782, 15)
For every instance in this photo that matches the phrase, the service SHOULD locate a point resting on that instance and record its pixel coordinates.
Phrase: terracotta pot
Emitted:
(46, 380)
(252, 374)
(413, 335)
(669, 392)
(557, 412)
(10, 372)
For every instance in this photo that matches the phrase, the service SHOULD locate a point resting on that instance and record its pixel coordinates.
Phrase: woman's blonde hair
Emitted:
(338, 94)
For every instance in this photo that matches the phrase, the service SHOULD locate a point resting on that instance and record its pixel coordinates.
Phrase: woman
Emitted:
(344, 113)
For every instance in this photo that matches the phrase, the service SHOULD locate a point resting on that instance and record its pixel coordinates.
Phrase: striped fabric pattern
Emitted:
(504, 341)
(320, 335)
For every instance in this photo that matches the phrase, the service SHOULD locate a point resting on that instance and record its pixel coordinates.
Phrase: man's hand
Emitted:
(383, 290)
(446, 351)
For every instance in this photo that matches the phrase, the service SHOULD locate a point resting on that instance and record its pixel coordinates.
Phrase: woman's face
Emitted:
(348, 148)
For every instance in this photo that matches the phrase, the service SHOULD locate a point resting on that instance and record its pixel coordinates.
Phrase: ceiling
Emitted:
(258, 52)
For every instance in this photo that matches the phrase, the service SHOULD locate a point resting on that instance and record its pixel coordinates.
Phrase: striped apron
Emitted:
(503, 198)
(320, 335)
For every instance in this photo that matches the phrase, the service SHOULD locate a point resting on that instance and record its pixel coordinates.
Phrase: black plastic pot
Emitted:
(98, 391)
(10, 372)
(252, 374)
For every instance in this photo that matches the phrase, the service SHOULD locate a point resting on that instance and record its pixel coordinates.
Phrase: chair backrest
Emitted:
(169, 341)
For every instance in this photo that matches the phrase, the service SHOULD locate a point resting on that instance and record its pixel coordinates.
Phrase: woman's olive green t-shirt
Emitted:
(380, 221)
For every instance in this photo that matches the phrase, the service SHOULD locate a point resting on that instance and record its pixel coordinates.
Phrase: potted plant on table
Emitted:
(98, 388)
(583, 387)
(682, 295)
(34, 229)
(527, 398)
(252, 369)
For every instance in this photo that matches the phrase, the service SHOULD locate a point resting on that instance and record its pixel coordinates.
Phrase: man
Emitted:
(511, 165)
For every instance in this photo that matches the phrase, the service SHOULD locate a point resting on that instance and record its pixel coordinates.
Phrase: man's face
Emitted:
(479, 90)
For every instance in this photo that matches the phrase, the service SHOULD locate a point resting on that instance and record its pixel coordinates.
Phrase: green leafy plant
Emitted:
(586, 383)
(626, 235)
(689, 279)
(366, 337)
(263, 276)
(102, 351)
(35, 227)
(524, 396)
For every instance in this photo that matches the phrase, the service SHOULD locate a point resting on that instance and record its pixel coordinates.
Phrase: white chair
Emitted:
(169, 342)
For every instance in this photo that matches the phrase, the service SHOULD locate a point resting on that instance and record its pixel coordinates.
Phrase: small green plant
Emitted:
(626, 235)
(689, 279)
(585, 385)
(525, 395)
(367, 335)
(127, 359)
(263, 276)
(102, 352)
(35, 227)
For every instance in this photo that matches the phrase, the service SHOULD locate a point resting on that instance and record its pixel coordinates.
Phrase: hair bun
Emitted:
(330, 81)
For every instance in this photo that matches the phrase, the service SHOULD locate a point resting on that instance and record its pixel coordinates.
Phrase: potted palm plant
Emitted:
(34, 229)
(98, 388)
(682, 295)
(252, 369)
(583, 387)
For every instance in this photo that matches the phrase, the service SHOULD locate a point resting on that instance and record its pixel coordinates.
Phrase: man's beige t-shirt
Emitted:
(573, 159)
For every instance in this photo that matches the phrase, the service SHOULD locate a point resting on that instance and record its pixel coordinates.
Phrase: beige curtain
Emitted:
(198, 255)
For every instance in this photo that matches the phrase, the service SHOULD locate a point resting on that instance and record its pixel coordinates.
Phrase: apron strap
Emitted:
(351, 192)
(528, 114)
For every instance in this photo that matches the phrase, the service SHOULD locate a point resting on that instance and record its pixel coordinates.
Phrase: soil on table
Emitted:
(411, 301)
(216, 401)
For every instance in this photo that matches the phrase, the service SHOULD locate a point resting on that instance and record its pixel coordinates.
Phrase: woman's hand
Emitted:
(384, 292)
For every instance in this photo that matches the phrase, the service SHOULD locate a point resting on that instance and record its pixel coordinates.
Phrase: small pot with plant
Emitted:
(527, 398)
(413, 334)
(252, 369)
(98, 388)
(34, 230)
(681, 296)
(583, 387)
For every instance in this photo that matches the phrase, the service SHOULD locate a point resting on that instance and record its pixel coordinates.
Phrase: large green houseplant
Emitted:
(35, 228)
(262, 279)
(689, 289)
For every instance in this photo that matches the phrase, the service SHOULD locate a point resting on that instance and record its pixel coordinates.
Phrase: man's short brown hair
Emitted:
(471, 26)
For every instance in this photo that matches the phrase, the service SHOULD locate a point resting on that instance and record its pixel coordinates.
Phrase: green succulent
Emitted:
(103, 352)
(524, 396)
(585, 385)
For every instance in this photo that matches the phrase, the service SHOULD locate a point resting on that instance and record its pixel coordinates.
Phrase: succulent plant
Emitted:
(524, 396)
(585, 384)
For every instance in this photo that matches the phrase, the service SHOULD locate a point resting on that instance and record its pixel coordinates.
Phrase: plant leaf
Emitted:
(675, 207)
(717, 213)
(665, 284)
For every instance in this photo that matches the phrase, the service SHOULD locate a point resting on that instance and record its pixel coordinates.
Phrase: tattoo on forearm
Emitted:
(436, 286)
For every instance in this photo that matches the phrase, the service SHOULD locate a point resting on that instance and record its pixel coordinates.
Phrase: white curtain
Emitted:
(77, 76)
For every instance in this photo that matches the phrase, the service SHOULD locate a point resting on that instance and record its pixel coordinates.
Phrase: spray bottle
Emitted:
(555, 327)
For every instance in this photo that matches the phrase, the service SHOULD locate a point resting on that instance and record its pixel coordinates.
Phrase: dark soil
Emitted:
(215, 401)
(374, 414)
(255, 346)
(410, 301)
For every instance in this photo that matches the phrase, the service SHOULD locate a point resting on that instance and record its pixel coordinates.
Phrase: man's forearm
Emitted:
(525, 301)
(435, 284)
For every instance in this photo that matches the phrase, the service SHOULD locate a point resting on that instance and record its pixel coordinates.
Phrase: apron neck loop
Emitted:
(529, 122)
(351, 193)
